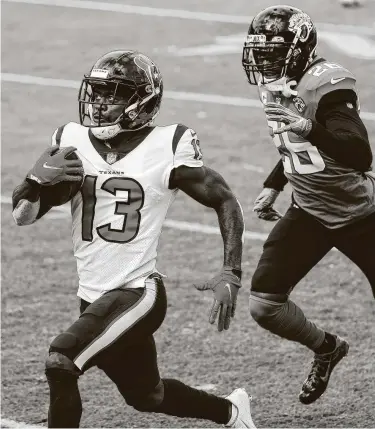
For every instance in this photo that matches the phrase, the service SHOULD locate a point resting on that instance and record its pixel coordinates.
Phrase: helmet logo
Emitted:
(301, 24)
(144, 65)
(274, 24)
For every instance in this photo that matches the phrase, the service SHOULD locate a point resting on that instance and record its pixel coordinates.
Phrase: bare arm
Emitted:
(210, 189)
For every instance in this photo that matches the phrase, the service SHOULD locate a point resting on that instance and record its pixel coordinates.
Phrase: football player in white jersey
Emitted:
(312, 110)
(121, 183)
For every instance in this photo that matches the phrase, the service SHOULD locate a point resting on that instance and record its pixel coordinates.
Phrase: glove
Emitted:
(263, 205)
(225, 286)
(53, 167)
(294, 122)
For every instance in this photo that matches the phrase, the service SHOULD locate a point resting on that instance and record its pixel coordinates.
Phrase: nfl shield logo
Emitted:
(111, 157)
(299, 103)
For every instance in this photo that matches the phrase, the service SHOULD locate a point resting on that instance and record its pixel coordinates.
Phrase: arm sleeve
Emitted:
(339, 131)
(276, 179)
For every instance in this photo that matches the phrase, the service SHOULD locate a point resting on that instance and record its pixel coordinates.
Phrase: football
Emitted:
(61, 193)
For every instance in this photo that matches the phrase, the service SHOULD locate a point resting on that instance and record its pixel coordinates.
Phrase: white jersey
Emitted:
(118, 216)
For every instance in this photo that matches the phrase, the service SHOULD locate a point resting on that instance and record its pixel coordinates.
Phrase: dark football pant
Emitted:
(115, 333)
(298, 242)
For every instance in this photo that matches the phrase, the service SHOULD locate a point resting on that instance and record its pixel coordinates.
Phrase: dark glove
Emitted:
(225, 286)
(54, 167)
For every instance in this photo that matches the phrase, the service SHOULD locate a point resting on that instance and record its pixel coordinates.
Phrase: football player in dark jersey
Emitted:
(129, 172)
(312, 109)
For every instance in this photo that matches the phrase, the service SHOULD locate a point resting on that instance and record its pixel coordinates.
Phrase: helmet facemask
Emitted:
(122, 93)
(270, 58)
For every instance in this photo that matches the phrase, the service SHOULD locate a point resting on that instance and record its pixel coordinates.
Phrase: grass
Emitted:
(38, 270)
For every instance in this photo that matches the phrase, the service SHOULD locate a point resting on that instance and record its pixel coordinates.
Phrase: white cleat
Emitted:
(241, 403)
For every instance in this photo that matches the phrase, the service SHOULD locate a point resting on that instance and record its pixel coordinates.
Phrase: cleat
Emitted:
(241, 401)
(322, 366)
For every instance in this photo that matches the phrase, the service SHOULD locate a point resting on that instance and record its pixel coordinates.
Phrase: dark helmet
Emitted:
(133, 80)
(281, 42)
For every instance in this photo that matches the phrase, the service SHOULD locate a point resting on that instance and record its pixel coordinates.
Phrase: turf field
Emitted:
(198, 53)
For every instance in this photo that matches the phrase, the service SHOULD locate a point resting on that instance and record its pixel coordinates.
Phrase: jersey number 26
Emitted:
(298, 158)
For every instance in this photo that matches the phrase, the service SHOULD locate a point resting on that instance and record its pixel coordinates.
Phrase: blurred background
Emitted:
(47, 46)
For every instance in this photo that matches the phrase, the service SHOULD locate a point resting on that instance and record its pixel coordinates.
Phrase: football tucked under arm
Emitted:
(59, 194)
(31, 201)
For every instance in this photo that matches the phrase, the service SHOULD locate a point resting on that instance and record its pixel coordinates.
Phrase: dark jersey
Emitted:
(335, 193)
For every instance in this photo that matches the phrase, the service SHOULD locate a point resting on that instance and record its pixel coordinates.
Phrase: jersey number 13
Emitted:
(129, 209)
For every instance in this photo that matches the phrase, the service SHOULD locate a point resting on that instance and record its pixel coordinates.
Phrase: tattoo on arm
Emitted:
(210, 189)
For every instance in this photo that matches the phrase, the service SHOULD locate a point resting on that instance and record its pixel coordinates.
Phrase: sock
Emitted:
(285, 319)
(181, 400)
(328, 345)
(65, 408)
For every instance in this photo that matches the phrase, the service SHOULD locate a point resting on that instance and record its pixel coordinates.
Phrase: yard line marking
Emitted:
(63, 211)
(182, 14)
(7, 423)
(172, 95)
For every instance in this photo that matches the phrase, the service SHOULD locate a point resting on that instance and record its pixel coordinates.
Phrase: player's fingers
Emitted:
(214, 311)
(262, 205)
(202, 286)
(227, 318)
(74, 170)
(272, 104)
(234, 306)
(222, 316)
(73, 163)
(276, 118)
(53, 149)
(283, 129)
(72, 178)
(66, 151)
(269, 215)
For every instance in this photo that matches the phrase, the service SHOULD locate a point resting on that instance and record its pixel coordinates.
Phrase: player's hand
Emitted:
(263, 205)
(225, 287)
(53, 167)
(292, 120)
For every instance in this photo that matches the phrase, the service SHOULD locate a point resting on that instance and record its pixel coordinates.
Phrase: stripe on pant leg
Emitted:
(119, 326)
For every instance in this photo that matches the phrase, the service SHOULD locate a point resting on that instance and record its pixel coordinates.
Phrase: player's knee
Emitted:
(60, 366)
(266, 307)
(148, 400)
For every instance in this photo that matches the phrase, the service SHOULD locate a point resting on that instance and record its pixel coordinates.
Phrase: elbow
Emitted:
(364, 161)
(359, 154)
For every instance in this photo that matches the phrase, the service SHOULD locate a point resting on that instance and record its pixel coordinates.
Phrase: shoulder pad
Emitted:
(56, 138)
(325, 77)
(325, 73)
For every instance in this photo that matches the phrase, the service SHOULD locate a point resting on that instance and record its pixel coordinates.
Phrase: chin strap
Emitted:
(281, 85)
(107, 132)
